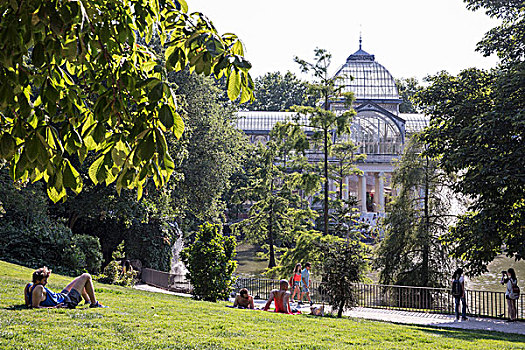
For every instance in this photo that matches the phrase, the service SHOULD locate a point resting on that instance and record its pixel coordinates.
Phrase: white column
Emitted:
(361, 192)
(376, 192)
(381, 194)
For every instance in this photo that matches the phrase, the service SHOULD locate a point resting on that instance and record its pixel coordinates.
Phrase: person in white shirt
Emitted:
(509, 278)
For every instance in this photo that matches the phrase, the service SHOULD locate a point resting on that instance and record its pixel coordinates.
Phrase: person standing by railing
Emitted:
(295, 281)
(305, 283)
(512, 292)
(458, 291)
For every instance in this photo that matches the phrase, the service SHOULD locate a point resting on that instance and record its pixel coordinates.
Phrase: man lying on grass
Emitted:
(281, 299)
(38, 296)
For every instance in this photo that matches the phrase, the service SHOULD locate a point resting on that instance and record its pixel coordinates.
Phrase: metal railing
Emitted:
(176, 283)
(423, 299)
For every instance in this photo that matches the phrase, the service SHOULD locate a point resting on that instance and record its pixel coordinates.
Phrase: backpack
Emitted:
(456, 288)
(515, 294)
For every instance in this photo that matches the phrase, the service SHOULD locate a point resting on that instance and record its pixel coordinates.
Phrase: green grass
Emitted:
(141, 320)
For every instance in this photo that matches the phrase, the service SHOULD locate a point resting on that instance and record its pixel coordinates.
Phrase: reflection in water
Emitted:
(490, 281)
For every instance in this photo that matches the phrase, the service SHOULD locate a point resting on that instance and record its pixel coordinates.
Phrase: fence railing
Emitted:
(176, 283)
(431, 300)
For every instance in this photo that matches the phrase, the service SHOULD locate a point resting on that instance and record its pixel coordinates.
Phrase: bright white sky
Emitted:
(411, 38)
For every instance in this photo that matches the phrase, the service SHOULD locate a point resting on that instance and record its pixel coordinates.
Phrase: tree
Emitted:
(75, 77)
(344, 163)
(321, 118)
(32, 238)
(214, 150)
(477, 131)
(209, 262)
(277, 209)
(344, 265)
(310, 246)
(408, 88)
(411, 254)
(277, 92)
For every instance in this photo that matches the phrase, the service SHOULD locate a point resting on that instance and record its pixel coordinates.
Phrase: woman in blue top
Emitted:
(37, 295)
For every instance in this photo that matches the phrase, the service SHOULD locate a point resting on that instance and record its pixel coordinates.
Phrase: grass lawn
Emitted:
(140, 320)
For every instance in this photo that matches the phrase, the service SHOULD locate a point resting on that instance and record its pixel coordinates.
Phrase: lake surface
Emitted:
(490, 281)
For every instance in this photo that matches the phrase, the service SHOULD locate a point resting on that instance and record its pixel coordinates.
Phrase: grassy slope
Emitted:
(139, 320)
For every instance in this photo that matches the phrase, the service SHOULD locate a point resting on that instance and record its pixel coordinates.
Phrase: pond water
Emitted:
(490, 281)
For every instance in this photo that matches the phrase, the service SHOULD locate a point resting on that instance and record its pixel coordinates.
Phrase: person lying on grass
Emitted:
(281, 299)
(38, 296)
(243, 300)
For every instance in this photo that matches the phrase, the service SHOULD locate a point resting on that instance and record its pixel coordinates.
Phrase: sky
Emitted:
(411, 38)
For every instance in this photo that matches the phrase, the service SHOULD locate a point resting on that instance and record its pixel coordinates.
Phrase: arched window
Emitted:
(375, 133)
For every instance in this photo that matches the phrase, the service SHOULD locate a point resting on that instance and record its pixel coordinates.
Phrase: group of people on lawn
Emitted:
(37, 295)
(300, 282)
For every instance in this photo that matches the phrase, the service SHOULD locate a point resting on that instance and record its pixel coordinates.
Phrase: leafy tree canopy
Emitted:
(278, 92)
(78, 77)
(477, 130)
(321, 118)
(407, 88)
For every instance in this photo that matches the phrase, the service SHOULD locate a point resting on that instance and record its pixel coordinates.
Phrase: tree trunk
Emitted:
(341, 308)
(271, 262)
(341, 181)
(426, 234)
(326, 181)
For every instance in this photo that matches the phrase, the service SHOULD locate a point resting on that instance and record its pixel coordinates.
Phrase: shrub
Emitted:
(51, 244)
(84, 254)
(151, 244)
(344, 264)
(209, 262)
(113, 274)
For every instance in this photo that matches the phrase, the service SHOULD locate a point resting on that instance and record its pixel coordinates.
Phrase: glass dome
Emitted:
(371, 81)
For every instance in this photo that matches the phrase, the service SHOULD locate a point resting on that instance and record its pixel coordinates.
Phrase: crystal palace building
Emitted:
(378, 129)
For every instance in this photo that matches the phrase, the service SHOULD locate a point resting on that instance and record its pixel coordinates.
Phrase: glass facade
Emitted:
(378, 129)
(374, 133)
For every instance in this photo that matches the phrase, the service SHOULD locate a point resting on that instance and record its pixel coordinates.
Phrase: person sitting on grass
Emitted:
(243, 300)
(37, 295)
(281, 299)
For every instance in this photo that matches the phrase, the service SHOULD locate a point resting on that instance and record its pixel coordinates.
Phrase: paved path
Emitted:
(402, 317)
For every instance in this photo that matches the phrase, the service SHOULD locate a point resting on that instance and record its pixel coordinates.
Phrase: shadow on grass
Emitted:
(16, 307)
(472, 334)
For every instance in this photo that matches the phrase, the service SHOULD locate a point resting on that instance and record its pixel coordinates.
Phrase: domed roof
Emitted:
(371, 81)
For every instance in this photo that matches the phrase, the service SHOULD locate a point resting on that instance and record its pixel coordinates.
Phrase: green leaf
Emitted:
(118, 154)
(32, 147)
(146, 148)
(181, 5)
(71, 177)
(99, 133)
(94, 169)
(38, 55)
(156, 92)
(178, 126)
(7, 146)
(166, 116)
(234, 84)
